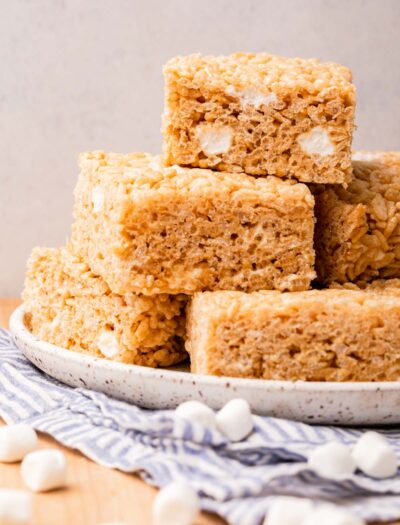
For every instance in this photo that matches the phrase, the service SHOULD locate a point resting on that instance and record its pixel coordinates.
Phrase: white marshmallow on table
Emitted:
(15, 507)
(374, 456)
(16, 441)
(175, 504)
(235, 420)
(331, 515)
(332, 460)
(196, 412)
(44, 470)
(287, 510)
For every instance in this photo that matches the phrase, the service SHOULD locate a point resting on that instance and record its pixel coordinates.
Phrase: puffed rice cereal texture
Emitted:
(261, 114)
(317, 335)
(358, 229)
(68, 305)
(150, 229)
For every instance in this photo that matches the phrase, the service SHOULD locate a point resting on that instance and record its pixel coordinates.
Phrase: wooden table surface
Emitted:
(94, 494)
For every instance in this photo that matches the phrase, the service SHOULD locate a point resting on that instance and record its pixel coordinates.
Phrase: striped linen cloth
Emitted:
(238, 481)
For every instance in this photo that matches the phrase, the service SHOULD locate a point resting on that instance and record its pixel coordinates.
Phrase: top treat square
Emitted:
(261, 114)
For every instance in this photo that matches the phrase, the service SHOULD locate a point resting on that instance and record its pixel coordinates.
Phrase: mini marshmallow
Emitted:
(288, 510)
(374, 456)
(97, 199)
(44, 470)
(107, 343)
(15, 507)
(331, 515)
(252, 97)
(214, 139)
(196, 412)
(316, 142)
(16, 441)
(332, 460)
(234, 420)
(175, 504)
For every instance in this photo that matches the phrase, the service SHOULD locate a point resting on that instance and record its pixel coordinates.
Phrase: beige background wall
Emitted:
(86, 74)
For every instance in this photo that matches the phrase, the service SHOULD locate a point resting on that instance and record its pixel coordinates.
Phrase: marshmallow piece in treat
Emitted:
(107, 343)
(214, 138)
(287, 510)
(235, 420)
(15, 507)
(332, 460)
(175, 504)
(252, 97)
(374, 456)
(44, 470)
(196, 412)
(97, 199)
(316, 142)
(16, 441)
(331, 515)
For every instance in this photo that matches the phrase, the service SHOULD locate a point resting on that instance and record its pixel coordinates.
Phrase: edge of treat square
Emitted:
(358, 227)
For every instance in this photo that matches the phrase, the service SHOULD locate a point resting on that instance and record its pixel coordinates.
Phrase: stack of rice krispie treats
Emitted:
(211, 250)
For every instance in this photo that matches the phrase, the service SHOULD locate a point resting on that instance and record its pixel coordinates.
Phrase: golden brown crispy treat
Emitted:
(260, 114)
(149, 229)
(358, 229)
(318, 335)
(69, 306)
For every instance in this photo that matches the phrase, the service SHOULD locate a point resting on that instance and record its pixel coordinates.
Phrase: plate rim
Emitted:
(18, 329)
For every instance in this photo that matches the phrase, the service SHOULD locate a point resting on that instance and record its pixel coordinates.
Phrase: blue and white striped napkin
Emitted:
(238, 481)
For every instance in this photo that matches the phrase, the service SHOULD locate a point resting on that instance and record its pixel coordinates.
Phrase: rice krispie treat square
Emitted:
(318, 335)
(69, 306)
(358, 229)
(149, 229)
(261, 114)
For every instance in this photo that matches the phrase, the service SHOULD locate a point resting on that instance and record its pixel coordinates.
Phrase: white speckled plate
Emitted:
(338, 403)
